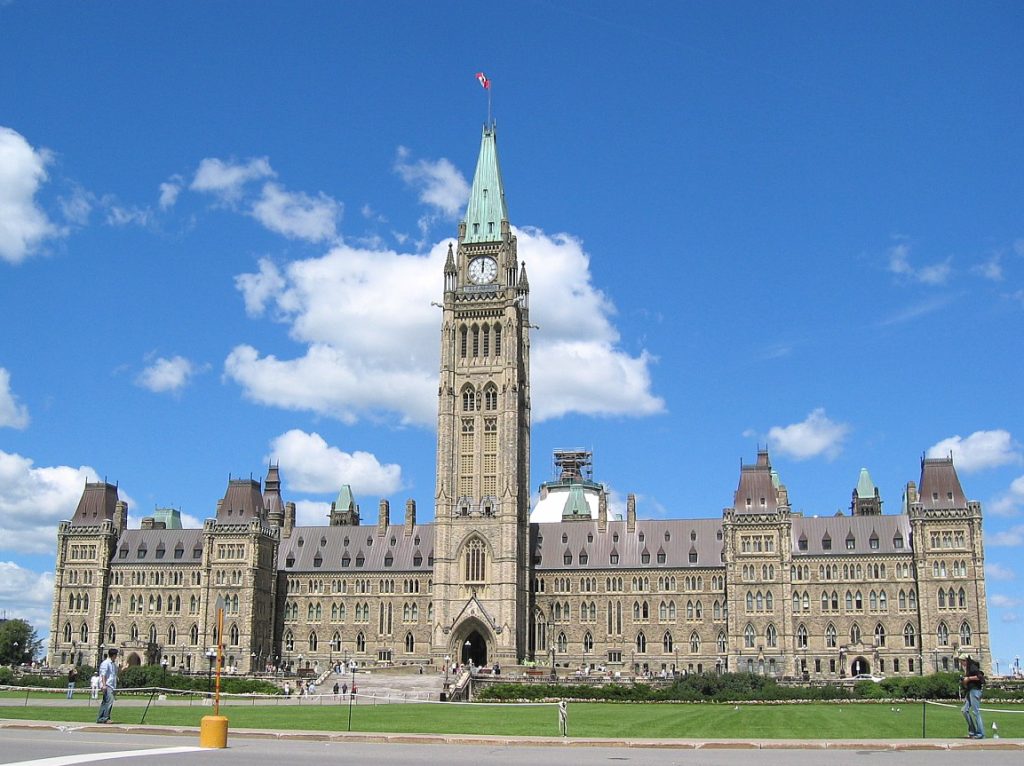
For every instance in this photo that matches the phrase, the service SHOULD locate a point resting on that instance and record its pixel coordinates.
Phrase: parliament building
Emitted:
(760, 588)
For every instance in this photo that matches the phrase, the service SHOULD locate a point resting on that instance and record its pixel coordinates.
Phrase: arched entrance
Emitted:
(474, 648)
(860, 667)
(134, 659)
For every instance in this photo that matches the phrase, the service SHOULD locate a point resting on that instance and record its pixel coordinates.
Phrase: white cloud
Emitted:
(169, 191)
(227, 180)
(815, 435)
(33, 500)
(1005, 602)
(23, 224)
(1008, 538)
(165, 375)
(439, 182)
(12, 414)
(296, 214)
(259, 288)
(376, 349)
(312, 465)
(994, 571)
(118, 215)
(77, 207)
(933, 274)
(27, 595)
(1010, 502)
(991, 268)
(310, 513)
(980, 450)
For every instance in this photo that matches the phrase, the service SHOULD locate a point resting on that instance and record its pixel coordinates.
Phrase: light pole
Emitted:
(211, 655)
(447, 667)
(17, 654)
(163, 675)
(551, 649)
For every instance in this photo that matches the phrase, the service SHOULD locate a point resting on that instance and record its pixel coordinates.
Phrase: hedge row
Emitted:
(738, 687)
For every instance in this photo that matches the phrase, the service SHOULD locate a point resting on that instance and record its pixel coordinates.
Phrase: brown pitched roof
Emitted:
(242, 502)
(327, 549)
(96, 505)
(940, 486)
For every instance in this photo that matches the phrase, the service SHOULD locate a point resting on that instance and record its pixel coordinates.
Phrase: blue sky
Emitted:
(222, 224)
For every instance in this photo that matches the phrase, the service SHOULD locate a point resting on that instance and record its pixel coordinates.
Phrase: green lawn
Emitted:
(700, 721)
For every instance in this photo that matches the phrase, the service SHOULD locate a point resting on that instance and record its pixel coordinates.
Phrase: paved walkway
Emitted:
(466, 739)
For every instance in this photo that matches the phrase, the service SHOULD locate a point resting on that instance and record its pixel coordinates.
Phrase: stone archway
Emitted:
(860, 667)
(134, 659)
(474, 648)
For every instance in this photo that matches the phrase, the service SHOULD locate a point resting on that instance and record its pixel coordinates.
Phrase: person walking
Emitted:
(108, 685)
(973, 680)
(94, 686)
(72, 680)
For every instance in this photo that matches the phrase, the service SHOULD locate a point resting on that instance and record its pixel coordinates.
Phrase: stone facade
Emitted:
(760, 589)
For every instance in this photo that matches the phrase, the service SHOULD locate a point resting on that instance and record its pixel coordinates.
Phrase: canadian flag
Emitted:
(484, 82)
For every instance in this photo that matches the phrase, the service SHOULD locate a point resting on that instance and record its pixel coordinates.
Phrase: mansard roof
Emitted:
(940, 486)
(675, 538)
(159, 546)
(757, 491)
(394, 551)
(860, 529)
(243, 501)
(97, 504)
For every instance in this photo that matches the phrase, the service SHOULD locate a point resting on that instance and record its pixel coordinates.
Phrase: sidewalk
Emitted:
(467, 739)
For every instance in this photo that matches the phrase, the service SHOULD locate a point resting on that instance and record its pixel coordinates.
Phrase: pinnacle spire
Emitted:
(486, 210)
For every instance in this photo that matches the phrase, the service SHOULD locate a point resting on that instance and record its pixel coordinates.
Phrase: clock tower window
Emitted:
(476, 341)
(463, 333)
(469, 400)
(476, 557)
(487, 340)
(497, 340)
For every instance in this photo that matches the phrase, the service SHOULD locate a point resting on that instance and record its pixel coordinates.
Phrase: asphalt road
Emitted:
(20, 746)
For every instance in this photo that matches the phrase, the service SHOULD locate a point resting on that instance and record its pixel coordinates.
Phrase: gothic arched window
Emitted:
(476, 558)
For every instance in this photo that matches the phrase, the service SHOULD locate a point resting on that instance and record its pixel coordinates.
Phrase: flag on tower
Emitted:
(484, 82)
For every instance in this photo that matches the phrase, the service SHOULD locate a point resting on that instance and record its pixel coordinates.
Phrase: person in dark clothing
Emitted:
(973, 680)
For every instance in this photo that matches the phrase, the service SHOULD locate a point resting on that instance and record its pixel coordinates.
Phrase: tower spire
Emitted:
(486, 213)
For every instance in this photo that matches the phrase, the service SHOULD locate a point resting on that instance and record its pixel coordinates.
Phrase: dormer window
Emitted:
(318, 560)
(565, 537)
(826, 543)
(476, 228)
(567, 558)
(851, 543)
(290, 561)
(584, 558)
(389, 559)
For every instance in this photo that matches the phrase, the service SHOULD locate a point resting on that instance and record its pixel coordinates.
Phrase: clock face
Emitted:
(483, 270)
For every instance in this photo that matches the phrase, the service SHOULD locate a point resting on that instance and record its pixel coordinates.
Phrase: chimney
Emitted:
(410, 516)
(121, 516)
(602, 511)
(631, 513)
(289, 520)
(383, 517)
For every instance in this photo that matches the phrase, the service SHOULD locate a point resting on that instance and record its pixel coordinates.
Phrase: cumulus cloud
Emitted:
(296, 214)
(980, 450)
(227, 180)
(312, 465)
(169, 191)
(34, 499)
(376, 350)
(167, 375)
(932, 274)
(310, 513)
(12, 414)
(1007, 538)
(439, 182)
(23, 224)
(27, 594)
(815, 435)
(1010, 502)
(994, 571)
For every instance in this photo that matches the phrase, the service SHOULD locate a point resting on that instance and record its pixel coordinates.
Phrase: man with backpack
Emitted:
(973, 680)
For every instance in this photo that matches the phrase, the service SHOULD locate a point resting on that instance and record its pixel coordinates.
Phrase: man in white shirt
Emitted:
(108, 685)
(94, 686)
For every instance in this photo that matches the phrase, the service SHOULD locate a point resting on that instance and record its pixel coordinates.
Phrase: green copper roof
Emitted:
(345, 500)
(171, 517)
(865, 487)
(576, 505)
(486, 209)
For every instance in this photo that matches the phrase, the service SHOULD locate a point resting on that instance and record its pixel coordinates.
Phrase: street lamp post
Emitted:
(447, 667)
(163, 675)
(551, 649)
(211, 655)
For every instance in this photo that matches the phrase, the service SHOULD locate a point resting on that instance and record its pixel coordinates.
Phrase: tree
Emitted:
(18, 642)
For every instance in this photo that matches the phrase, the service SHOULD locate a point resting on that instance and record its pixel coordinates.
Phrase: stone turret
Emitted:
(410, 516)
(383, 517)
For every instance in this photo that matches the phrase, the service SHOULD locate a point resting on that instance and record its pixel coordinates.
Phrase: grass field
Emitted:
(670, 720)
